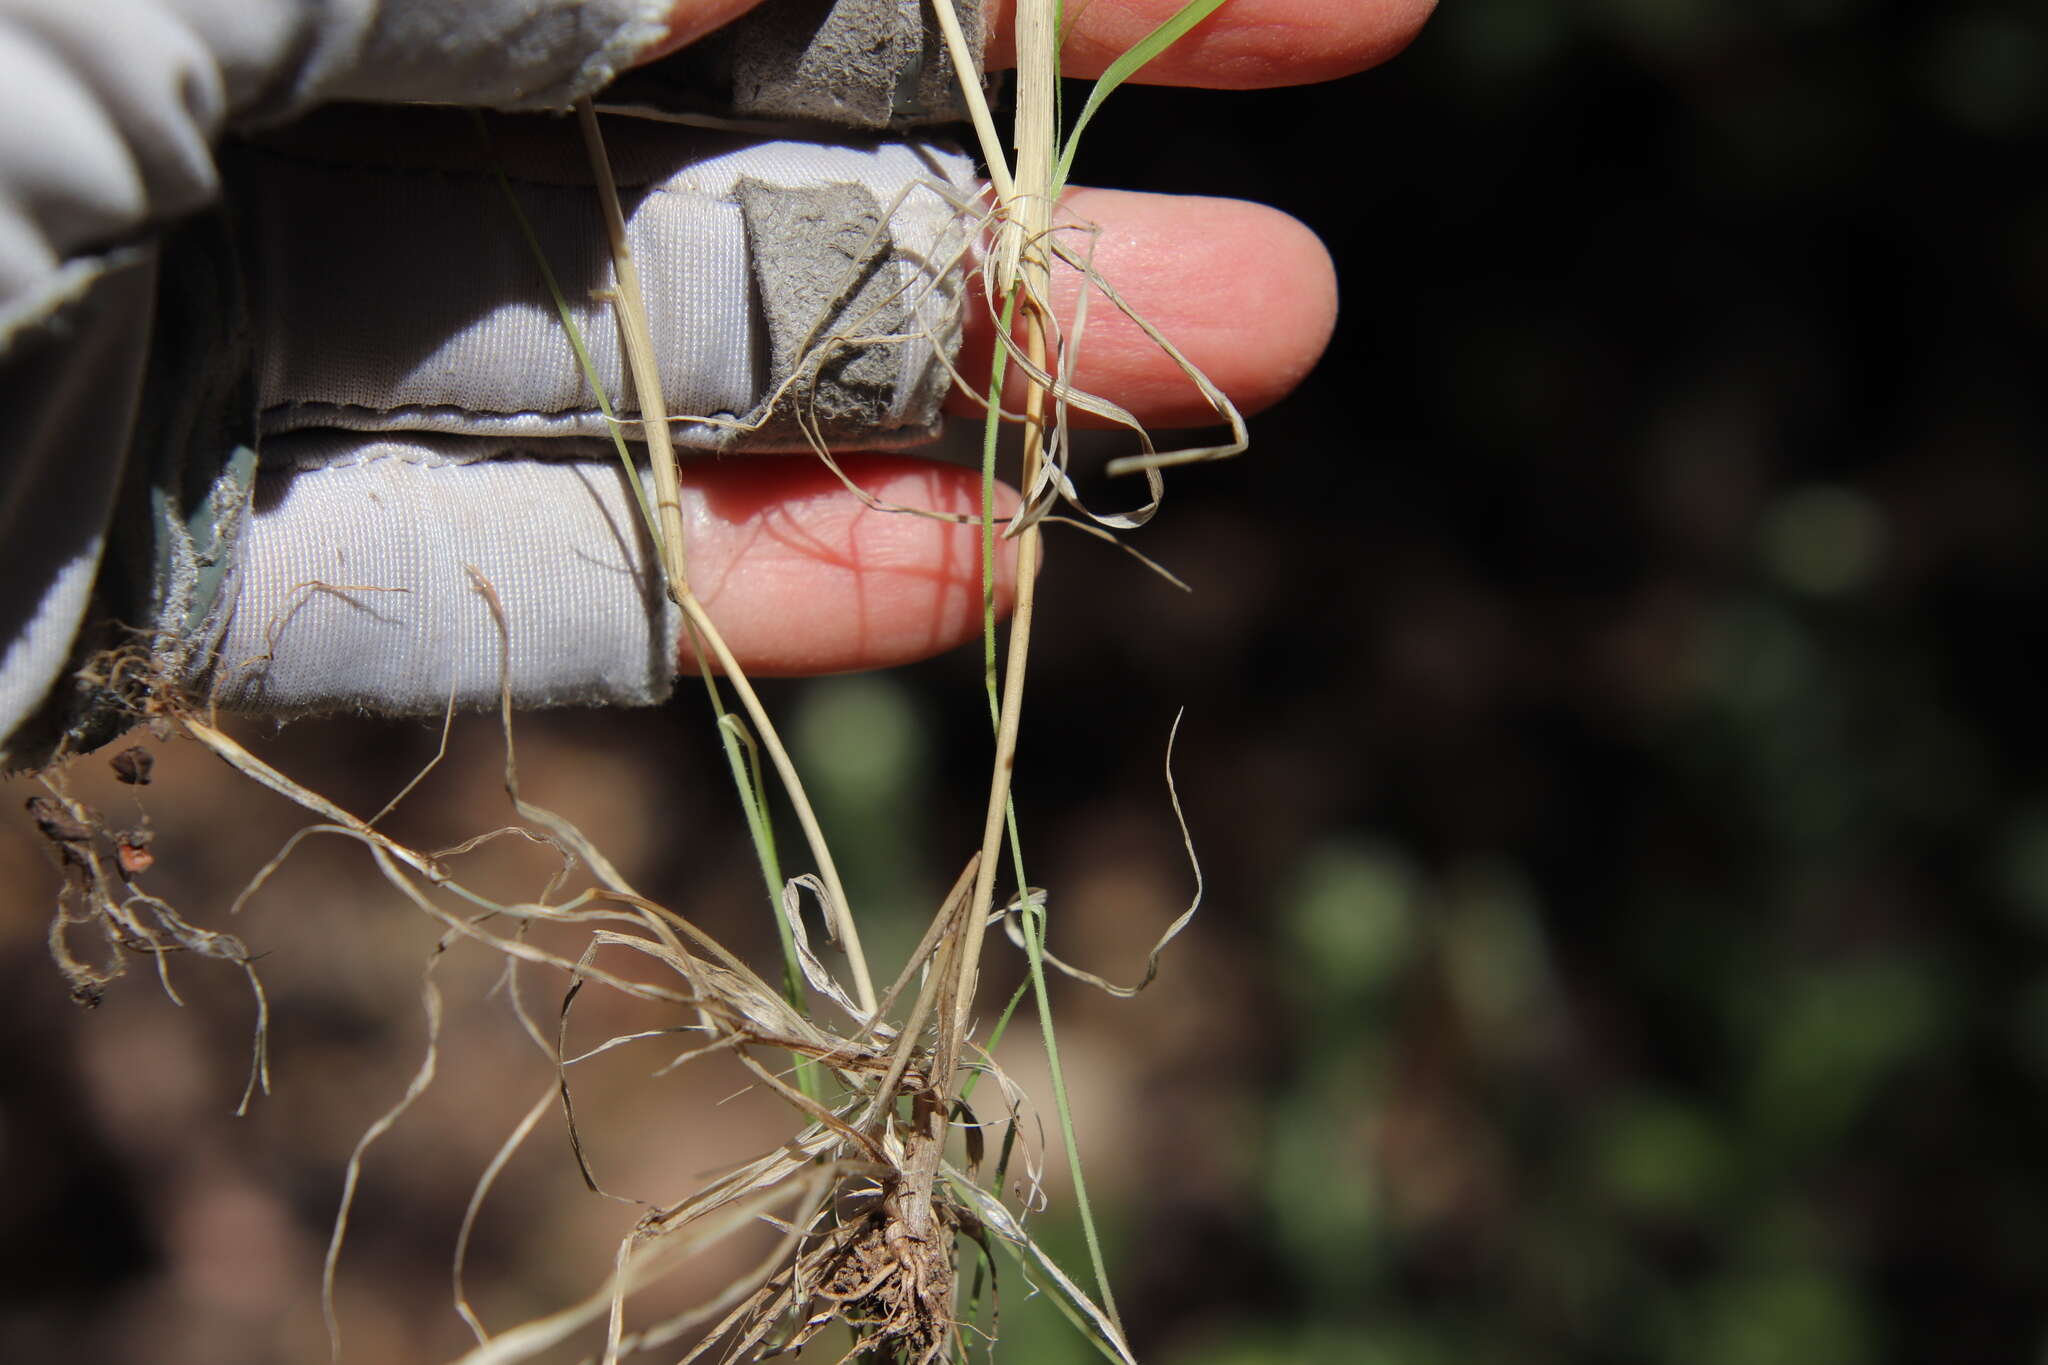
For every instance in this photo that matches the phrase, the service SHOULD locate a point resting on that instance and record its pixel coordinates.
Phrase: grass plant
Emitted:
(885, 1196)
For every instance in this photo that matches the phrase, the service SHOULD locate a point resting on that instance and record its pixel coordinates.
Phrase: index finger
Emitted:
(1244, 45)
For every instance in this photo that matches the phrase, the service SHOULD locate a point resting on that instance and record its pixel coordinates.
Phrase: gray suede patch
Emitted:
(393, 297)
(853, 63)
(823, 257)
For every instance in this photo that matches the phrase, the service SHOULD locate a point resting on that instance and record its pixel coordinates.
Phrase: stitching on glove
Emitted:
(399, 299)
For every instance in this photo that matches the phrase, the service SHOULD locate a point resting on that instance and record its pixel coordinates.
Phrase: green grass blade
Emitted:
(1034, 948)
(743, 756)
(991, 440)
(1098, 1327)
(1034, 934)
(1122, 69)
(575, 335)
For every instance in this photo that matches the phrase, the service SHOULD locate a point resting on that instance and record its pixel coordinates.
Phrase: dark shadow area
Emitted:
(1610, 733)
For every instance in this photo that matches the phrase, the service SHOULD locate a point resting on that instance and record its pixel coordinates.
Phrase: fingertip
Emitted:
(1246, 45)
(1255, 291)
(1247, 293)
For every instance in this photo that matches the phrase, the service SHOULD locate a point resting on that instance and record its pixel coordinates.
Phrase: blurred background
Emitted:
(1610, 742)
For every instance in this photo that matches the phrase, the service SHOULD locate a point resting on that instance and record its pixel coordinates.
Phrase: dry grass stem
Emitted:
(881, 1179)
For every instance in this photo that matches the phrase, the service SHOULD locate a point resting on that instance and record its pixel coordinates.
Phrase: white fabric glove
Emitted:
(110, 112)
(425, 414)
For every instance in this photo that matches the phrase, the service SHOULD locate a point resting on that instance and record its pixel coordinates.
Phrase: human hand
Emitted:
(800, 575)
(803, 578)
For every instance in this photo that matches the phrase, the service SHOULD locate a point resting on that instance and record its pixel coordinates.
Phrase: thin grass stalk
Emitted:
(964, 64)
(640, 362)
(1026, 218)
(743, 757)
(1009, 719)
(1027, 272)
(1022, 275)
(569, 328)
(632, 313)
(1001, 812)
(752, 791)
(764, 729)
(746, 775)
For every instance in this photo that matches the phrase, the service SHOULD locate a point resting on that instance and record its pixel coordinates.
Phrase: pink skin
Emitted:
(803, 578)
(1246, 292)
(1244, 45)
